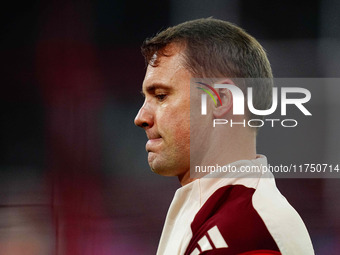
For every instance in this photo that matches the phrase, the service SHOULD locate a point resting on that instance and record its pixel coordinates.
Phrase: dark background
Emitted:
(74, 177)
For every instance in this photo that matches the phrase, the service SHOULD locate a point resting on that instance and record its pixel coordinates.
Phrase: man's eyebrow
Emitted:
(151, 88)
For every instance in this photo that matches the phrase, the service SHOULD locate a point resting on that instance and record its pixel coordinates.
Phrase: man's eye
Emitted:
(160, 97)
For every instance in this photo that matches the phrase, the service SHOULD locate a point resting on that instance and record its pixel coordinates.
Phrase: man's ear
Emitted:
(227, 100)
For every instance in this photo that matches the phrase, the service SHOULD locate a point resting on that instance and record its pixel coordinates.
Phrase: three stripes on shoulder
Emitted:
(216, 239)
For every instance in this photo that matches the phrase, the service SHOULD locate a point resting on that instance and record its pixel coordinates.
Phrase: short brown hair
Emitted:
(217, 48)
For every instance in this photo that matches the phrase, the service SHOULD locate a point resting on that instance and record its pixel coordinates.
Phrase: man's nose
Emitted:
(144, 118)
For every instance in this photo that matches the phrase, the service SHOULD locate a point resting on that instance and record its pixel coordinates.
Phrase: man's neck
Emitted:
(233, 146)
(185, 178)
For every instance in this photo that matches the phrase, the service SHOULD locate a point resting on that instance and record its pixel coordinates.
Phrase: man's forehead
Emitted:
(168, 66)
(167, 53)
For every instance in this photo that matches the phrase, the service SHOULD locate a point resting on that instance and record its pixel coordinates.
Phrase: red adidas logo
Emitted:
(217, 241)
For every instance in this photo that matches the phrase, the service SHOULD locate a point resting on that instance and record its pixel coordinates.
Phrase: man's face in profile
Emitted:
(165, 114)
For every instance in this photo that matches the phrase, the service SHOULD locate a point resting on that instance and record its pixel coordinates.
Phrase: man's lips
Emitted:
(152, 143)
(152, 136)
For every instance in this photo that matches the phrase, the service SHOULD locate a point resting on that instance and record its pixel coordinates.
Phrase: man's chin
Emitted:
(163, 166)
(158, 166)
(152, 158)
(161, 170)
